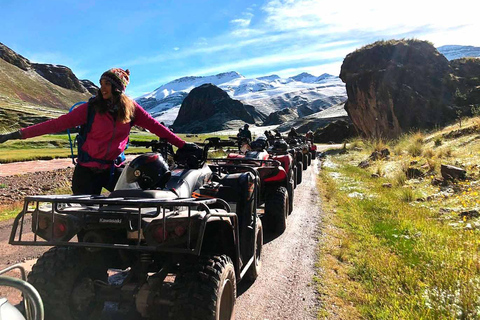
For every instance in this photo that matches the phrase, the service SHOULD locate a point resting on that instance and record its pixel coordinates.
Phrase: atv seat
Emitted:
(139, 193)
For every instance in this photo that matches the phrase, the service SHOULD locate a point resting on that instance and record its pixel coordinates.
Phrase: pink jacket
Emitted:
(107, 138)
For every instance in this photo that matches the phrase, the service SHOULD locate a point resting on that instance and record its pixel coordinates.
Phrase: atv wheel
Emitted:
(305, 161)
(206, 290)
(276, 209)
(309, 156)
(254, 270)
(64, 278)
(299, 172)
(314, 154)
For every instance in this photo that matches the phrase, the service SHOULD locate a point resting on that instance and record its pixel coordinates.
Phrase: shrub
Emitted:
(399, 179)
(444, 153)
(476, 110)
(438, 141)
(428, 153)
(418, 137)
(407, 195)
(433, 165)
(415, 149)
(377, 144)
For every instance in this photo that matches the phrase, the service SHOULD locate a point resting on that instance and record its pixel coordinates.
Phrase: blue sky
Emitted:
(162, 40)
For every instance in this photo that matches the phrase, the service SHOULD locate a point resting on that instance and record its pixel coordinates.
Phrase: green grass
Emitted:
(401, 261)
(402, 251)
(54, 146)
(10, 211)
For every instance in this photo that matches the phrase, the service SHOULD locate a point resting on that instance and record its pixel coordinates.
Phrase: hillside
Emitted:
(400, 231)
(26, 97)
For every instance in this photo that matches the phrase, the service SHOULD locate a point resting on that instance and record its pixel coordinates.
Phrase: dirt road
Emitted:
(284, 289)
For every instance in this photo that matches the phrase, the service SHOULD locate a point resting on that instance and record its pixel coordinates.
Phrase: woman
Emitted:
(113, 114)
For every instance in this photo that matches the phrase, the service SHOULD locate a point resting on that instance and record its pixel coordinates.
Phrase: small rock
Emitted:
(470, 214)
(375, 175)
(438, 181)
(387, 185)
(420, 199)
(412, 173)
(364, 164)
(452, 172)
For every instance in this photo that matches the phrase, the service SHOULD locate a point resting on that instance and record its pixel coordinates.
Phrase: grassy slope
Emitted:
(26, 98)
(402, 251)
(57, 146)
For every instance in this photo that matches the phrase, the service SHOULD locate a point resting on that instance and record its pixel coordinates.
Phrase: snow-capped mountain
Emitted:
(452, 52)
(267, 94)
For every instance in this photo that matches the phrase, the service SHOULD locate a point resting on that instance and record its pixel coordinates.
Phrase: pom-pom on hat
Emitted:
(118, 77)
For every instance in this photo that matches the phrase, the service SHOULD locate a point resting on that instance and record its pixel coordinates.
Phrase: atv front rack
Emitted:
(121, 211)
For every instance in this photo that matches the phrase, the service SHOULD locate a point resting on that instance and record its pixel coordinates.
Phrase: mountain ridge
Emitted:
(266, 93)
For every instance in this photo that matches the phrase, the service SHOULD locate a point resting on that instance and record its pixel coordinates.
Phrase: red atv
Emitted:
(277, 179)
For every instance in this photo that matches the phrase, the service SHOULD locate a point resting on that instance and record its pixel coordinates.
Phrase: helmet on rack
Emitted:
(259, 144)
(280, 145)
(149, 170)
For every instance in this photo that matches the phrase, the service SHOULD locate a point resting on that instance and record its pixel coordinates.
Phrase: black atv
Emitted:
(154, 248)
(276, 187)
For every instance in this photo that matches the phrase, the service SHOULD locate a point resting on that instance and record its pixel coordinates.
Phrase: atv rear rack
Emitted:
(130, 210)
(244, 161)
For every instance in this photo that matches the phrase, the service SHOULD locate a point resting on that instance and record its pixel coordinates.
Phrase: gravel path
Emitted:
(284, 289)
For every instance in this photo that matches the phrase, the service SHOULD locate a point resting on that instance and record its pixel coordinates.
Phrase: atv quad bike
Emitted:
(276, 188)
(149, 249)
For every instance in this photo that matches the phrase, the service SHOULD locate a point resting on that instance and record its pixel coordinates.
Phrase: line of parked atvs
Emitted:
(170, 242)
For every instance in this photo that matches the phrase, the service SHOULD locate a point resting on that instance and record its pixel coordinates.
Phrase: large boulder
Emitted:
(337, 131)
(208, 108)
(281, 116)
(394, 86)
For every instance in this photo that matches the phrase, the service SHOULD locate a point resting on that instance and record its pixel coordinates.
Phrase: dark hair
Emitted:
(126, 107)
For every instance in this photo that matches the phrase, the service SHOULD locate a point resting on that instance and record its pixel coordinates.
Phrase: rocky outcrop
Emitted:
(207, 108)
(60, 75)
(90, 86)
(337, 131)
(280, 117)
(395, 86)
(14, 58)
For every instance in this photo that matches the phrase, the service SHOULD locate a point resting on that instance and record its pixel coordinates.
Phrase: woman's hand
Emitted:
(10, 136)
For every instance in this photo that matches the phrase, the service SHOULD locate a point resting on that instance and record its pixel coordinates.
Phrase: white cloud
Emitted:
(242, 23)
(294, 36)
(314, 53)
(176, 48)
(202, 41)
(371, 16)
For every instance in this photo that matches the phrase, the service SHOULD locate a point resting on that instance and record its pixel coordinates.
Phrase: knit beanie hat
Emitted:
(118, 77)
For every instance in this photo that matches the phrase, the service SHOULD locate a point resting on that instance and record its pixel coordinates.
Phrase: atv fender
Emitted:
(219, 238)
